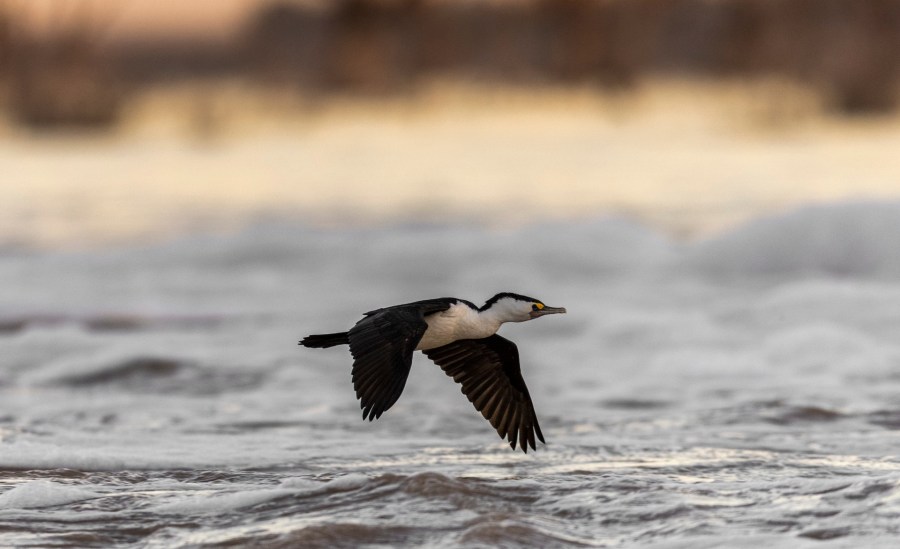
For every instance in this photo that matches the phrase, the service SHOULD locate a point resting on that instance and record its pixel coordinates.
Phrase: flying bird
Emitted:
(460, 338)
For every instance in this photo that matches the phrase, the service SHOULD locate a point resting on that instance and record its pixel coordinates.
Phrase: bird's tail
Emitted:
(323, 341)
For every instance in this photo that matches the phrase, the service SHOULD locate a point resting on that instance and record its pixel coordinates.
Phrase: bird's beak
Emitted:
(547, 311)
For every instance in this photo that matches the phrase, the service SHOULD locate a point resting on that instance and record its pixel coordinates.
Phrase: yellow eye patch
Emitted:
(539, 306)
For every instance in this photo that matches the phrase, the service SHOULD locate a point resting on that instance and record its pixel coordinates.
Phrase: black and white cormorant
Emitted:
(460, 338)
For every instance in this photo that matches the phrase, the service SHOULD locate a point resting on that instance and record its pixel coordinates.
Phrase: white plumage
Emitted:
(460, 321)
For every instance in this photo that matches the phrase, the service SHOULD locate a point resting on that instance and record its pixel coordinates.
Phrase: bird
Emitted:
(460, 338)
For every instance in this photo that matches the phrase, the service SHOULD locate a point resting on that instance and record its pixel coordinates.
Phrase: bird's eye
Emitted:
(537, 306)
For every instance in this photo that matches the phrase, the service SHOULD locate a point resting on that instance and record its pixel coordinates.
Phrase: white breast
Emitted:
(458, 322)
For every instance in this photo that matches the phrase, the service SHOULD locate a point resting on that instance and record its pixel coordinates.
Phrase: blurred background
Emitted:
(709, 186)
(132, 121)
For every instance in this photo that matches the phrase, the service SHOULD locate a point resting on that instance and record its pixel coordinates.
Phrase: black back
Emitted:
(427, 306)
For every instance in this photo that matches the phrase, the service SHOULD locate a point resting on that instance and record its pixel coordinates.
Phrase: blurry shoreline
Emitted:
(78, 71)
(686, 158)
(686, 115)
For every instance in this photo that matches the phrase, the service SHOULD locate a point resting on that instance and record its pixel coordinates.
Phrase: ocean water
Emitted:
(734, 391)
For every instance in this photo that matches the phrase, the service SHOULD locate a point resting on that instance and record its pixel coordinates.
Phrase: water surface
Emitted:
(734, 391)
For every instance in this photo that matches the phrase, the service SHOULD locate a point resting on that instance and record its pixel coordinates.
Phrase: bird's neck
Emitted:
(491, 319)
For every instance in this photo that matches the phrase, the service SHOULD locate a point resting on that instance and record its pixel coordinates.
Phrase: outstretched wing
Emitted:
(488, 370)
(382, 345)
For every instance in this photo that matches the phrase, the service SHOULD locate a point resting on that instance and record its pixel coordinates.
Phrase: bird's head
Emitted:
(511, 307)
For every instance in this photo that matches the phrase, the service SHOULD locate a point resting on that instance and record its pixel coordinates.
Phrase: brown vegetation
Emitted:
(60, 83)
(58, 80)
(849, 50)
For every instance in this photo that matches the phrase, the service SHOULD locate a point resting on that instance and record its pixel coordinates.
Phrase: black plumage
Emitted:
(382, 344)
(491, 378)
(487, 368)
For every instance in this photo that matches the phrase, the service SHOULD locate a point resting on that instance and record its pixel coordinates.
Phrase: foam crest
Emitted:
(843, 239)
(43, 493)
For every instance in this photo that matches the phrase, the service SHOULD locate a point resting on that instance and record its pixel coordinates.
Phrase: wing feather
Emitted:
(382, 345)
(490, 375)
